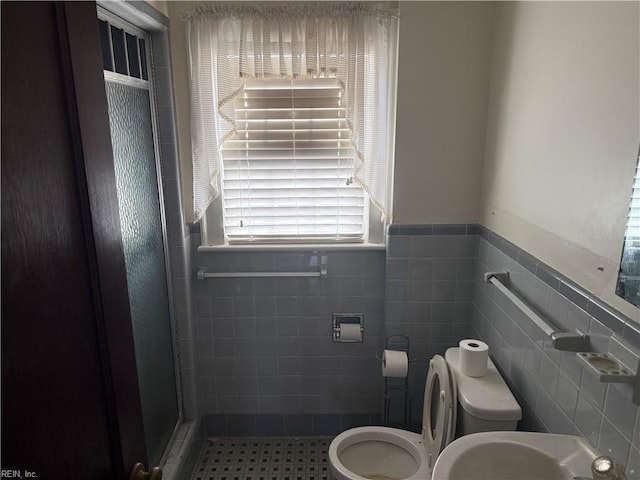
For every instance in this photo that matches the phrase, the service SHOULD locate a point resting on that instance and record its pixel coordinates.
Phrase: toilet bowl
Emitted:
(379, 453)
(453, 403)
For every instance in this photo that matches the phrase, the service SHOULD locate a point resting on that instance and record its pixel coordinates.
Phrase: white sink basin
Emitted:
(515, 456)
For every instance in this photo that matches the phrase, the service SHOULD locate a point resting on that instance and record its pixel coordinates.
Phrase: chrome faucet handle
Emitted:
(605, 468)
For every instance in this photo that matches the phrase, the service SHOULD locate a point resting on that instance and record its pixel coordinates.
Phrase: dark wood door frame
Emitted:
(95, 159)
(55, 120)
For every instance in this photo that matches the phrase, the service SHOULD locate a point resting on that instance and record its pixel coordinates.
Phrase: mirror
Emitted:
(628, 284)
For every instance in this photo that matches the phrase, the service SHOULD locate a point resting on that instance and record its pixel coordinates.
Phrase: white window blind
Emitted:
(633, 222)
(286, 171)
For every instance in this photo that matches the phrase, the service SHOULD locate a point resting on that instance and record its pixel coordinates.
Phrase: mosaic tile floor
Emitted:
(262, 458)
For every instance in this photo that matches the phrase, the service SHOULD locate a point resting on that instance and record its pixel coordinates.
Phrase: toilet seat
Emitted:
(439, 414)
(420, 450)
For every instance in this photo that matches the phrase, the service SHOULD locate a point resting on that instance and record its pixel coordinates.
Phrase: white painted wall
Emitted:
(179, 61)
(443, 84)
(160, 5)
(563, 132)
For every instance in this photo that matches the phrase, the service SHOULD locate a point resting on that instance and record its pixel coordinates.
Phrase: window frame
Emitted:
(212, 235)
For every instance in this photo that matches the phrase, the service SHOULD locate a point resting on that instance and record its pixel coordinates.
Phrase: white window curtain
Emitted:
(356, 43)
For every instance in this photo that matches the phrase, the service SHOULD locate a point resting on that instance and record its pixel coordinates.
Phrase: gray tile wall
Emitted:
(265, 349)
(267, 365)
(178, 235)
(556, 393)
(429, 292)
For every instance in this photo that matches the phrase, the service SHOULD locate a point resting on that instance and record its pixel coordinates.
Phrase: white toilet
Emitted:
(453, 403)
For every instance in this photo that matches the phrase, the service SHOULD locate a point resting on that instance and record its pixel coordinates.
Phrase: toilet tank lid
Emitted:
(488, 397)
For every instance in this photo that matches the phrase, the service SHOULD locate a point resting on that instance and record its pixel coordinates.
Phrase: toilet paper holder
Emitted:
(391, 389)
(341, 319)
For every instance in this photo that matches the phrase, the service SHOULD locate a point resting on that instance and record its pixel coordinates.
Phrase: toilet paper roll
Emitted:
(473, 358)
(394, 364)
(350, 332)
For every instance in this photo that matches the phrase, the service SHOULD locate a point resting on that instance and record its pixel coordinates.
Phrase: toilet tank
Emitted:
(484, 403)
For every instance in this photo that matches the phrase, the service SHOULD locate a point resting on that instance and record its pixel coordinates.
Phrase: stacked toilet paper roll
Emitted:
(473, 358)
(394, 364)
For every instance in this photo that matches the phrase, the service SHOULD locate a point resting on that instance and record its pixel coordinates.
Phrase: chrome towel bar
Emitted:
(565, 341)
(202, 274)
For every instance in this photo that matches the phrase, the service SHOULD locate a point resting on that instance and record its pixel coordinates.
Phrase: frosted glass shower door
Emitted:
(144, 250)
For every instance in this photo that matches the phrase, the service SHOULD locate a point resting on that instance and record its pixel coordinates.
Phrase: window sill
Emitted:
(293, 247)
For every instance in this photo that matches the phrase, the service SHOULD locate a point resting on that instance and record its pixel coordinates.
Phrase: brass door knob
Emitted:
(138, 473)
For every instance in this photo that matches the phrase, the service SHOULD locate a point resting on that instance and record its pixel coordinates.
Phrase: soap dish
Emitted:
(609, 369)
